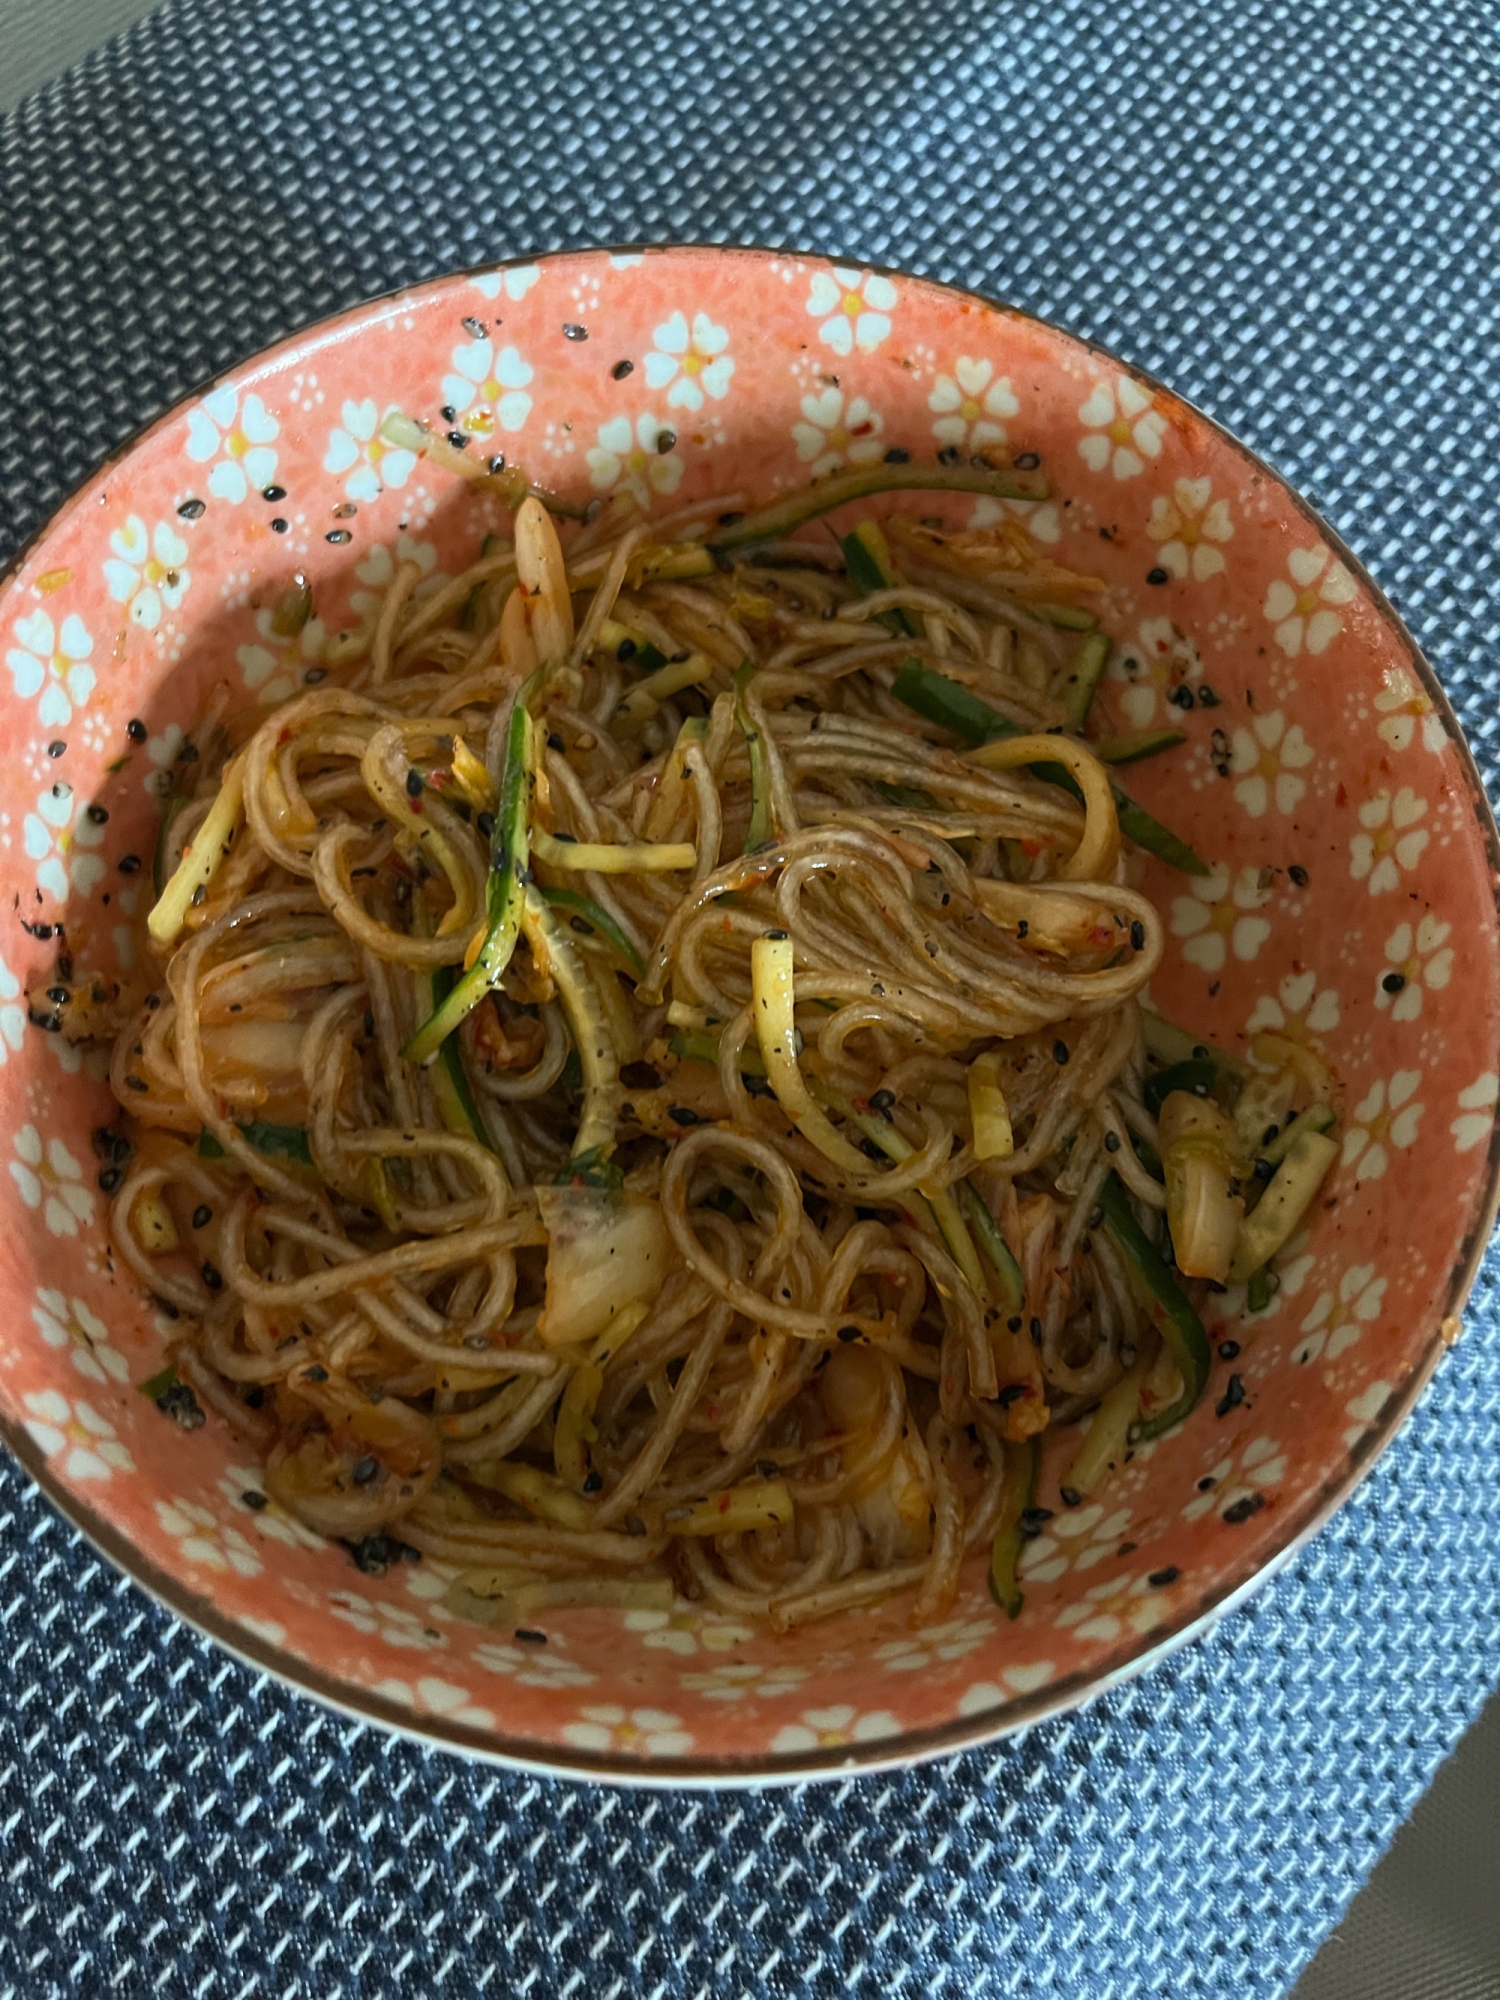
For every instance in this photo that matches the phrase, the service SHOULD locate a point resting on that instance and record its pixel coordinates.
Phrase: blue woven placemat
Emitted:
(1286, 211)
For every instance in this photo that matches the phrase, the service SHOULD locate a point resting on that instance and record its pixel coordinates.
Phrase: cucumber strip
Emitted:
(1274, 1217)
(760, 829)
(1258, 1293)
(987, 1235)
(1170, 1044)
(1197, 1076)
(702, 1045)
(774, 991)
(604, 857)
(1109, 1434)
(156, 1386)
(1317, 1118)
(615, 637)
(642, 701)
(598, 1058)
(867, 558)
(945, 1209)
(201, 856)
(584, 910)
(1066, 617)
(1005, 1549)
(286, 1142)
(1130, 749)
(510, 852)
(769, 524)
(1084, 679)
(1164, 1301)
(450, 1080)
(933, 695)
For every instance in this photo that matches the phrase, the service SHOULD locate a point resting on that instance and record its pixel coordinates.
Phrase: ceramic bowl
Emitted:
(1351, 904)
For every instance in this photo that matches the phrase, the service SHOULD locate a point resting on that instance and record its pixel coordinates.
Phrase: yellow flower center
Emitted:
(1307, 602)
(1385, 840)
(236, 444)
(1119, 430)
(489, 389)
(1224, 917)
(375, 449)
(1187, 529)
(854, 305)
(968, 409)
(692, 364)
(637, 461)
(838, 437)
(1269, 764)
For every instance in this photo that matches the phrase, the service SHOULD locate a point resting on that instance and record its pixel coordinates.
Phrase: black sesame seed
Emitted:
(497, 462)
(883, 1101)
(188, 754)
(314, 675)
(555, 742)
(1070, 1496)
(203, 1215)
(1036, 1332)
(1059, 1053)
(767, 1468)
(1207, 1484)
(527, 1637)
(1232, 1397)
(575, 332)
(212, 1278)
(593, 1481)
(1262, 1171)
(459, 440)
(182, 1406)
(1180, 697)
(1027, 461)
(198, 894)
(1158, 576)
(135, 729)
(59, 995)
(665, 441)
(110, 1179)
(621, 369)
(279, 527)
(254, 1499)
(1111, 1142)
(681, 1114)
(192, 510)
(273, 493)
(447, 413)
(896, 456)
(56, 748)
(1034, 1516)
(99, 815)
(1160, 1578)
(414, 785)
(848, 1333)
(131, 1082)
(1207, 698)
(1015, 1323)
(950, 455)
(1229, 1350)
(338, 535)
(1298, 874)
(485, 824)
(128, 864)
(365, 1470)
(1242, 1510)
(315, 1374)
(1138, 936)
(1394, 981)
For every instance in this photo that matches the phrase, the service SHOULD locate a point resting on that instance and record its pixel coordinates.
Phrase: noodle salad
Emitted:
(646, 1084)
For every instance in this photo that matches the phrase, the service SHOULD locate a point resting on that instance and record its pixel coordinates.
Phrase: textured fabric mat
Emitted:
(1285, 210)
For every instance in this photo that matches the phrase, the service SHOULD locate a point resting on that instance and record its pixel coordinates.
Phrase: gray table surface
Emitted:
(1427, 1924)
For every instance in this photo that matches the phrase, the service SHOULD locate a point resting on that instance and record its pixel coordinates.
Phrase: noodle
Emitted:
(548, 1213)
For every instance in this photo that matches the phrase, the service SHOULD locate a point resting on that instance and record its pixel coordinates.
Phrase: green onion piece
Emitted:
(590, 1169)
(867, 558)
(1005, 1549)
(287, 1142)
(702, 1045)
(510, 851)
(1258, 1289)
(771, 523)
(1318, 1118)
(1170, 1044)
(992, 1244)
(927, 692)
(1274, 1217)
(1163, 1298)
(156, 1386)
(585, 910)
(1131, 749)
(1066, 617)
(1084, 679)
(450, 1080)
(1198, 1075)
(760, 781)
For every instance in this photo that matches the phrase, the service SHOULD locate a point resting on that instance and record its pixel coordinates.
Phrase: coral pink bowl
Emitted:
(1328, 785)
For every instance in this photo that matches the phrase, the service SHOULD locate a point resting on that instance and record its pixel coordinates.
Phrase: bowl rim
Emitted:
(988, 1726)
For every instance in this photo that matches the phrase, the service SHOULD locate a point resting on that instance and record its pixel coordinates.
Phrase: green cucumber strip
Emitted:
(1066, 617)
(287, 1142)
(156, 1386)
(1005, 1549)
(769, 524)
(1130, 749)
(867, 558)
(587, 911)
(1163, 1298)
(1317, 1118)
(1084, 679)
(510, 850)
(927, 692)
(1198, 1075)
(992, 1244)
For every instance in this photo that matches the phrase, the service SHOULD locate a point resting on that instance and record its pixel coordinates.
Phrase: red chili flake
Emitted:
(1341, 797)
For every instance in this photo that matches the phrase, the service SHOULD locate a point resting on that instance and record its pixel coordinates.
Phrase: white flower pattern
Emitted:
(53, 662)
(51, 835)
(1115, 1608)
(833, 433)
(438, 1698)
(833, 1728)
(360, 455)
(12, 1014)
(1387, 1115)
(1420, 961)
(1405, 710)
(205, 1540)
(746, 1680)
(87, 1443)
(72, 1325)
(1304, 611)
(1476, 1109)
(635, 458)
(1337, 1320)
(1161, 659)
(1189, 524)
(393, 1623)
(534, 1666)
(1077, 1538)
(1124, 429)
(488, 388)
(49, 1178)
(1267, 759)
(972, 405)
(1220, 916)
(1240, 1475)
(243, 432)
(1299, 1004)
(854, 307)
(690, 362)
(635, 1732)
(147, 572)
(1392, 842)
